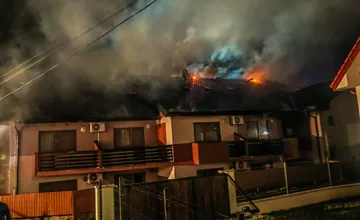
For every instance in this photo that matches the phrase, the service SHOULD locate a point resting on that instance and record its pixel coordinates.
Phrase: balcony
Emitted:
(256, 148)
(48, 164)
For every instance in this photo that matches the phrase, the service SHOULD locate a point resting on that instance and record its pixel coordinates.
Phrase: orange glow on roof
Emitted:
(255, 81)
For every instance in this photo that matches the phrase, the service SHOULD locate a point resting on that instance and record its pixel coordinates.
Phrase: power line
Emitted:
(93, 25)
(56, 65)
(116, 26)
(29, 82)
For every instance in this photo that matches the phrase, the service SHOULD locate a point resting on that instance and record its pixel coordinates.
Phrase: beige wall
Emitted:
(183, 127)
(29, 140)
(343, 138)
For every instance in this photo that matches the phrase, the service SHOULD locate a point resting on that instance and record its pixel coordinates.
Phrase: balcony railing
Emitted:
(254, 148)
(103, 159)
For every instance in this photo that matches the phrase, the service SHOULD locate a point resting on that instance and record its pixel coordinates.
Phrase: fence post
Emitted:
(166, 206)
(285, 175)
(120, 199)
(98, 201)
(329, 170)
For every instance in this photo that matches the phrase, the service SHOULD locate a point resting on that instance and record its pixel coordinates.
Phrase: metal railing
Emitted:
(288, 176)
(103, 159)
(253, 148)
(137, 155)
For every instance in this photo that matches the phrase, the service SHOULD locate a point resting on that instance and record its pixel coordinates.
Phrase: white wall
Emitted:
(344, 136)
(352, 77)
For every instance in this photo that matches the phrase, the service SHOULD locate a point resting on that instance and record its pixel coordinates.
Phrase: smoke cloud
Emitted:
(277, 39)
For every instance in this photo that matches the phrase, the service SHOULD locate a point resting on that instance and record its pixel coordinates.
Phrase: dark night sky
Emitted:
(18, 25)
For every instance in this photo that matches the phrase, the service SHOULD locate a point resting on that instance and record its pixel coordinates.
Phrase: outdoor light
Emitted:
(147, 126)
(83, 129)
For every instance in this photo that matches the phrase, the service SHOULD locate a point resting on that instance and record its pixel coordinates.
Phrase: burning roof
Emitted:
(221, 96)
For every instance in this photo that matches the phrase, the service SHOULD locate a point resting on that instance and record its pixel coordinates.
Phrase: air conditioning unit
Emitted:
(236, 120)
(92, 178)
(97, 127)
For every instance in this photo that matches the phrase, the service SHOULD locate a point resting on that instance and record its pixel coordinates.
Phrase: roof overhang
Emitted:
(341, 81)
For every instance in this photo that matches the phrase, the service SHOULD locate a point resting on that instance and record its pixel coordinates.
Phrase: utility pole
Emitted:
(166, 205)
(98, 200)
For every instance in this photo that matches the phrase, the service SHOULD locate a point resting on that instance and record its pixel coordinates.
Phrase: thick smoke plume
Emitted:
(276, 39)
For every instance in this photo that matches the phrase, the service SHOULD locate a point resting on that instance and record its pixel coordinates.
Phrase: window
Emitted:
(68, 185)
(130, 178)
(57, 141)
(207, 131)
(331, 120)
(208, 172)
(129, 137)
(257, 130)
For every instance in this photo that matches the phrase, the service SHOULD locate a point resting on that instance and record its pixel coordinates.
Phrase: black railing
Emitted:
(137, 155)
(103, 159)
(67, 161)
(237, 149)
(265, 147)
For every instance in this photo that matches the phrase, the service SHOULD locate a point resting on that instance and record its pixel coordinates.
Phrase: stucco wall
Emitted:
(29, 141)
(183, 127)
(343, 137)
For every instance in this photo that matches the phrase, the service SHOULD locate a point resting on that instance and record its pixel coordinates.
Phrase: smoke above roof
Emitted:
(229, 39)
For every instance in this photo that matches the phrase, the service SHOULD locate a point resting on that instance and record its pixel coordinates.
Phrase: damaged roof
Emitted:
(92, 107)
(143, 102)
(224, 96)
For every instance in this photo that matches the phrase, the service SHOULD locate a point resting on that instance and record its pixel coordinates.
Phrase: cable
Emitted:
(26, 68)
(29, 82)
(55, 66)
(64, 43)
(116, 26)
(136, 211)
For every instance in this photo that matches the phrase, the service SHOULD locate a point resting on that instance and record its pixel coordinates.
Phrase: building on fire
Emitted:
(186, 130)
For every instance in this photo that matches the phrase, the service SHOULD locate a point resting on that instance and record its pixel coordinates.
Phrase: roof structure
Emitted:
(143, 102)
(223, 96)
(346, 65)
(93, 107)
(318, 95)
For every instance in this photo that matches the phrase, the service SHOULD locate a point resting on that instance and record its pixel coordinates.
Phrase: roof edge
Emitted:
(346, 65)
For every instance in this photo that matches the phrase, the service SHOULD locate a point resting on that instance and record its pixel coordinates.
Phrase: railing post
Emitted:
(172, 154)
(285, 175)
(98, 201)
(329, 170)
(120, 198)
(100, 157)
(166, 206)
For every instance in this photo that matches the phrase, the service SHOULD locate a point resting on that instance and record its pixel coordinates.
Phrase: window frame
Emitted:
(208, 123)
(57, 151)
(130, 136)
(258, 129)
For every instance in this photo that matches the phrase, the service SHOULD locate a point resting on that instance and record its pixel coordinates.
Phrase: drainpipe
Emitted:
(17, 144)
(318, 143)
